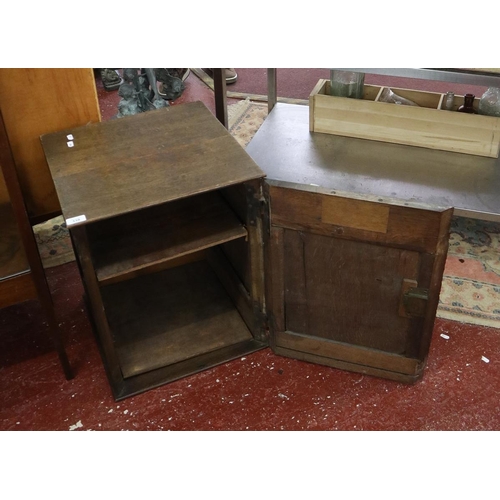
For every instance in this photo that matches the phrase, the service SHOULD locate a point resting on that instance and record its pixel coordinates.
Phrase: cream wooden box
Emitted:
(427, 125)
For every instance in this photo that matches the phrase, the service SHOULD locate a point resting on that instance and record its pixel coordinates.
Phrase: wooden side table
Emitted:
(22, 276)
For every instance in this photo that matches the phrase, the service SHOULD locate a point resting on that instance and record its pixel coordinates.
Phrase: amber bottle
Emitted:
(467, 106)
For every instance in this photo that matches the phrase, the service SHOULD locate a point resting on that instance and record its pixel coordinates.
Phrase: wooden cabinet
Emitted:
(162, 210)
(355, 283)
(190, 257)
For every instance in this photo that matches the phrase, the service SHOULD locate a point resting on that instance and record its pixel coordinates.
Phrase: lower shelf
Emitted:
(169, 317)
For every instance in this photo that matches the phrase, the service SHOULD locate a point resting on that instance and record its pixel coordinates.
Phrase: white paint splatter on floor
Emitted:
(76, 426)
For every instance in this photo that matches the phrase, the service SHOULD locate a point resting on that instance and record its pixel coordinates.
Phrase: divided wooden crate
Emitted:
(426, 125)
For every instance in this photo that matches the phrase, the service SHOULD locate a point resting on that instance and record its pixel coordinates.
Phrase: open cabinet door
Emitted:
(354, 283)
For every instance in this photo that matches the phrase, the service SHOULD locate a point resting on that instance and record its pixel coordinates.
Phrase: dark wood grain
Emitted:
(255, 228)
(339, 270)
(359, 355)
(220, 95)
(144, 160)
(161, 319)
(12, 255)
(166, 374)
(150, 188)
(388, 374)
(122, 245)
(81, 245)
(346, 291)
(16, 289)
(237, 253)
(236, 290)
(275, 280)
(435, 281)
(406, 227)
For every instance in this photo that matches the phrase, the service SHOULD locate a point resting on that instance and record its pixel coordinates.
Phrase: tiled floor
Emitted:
(262, 391)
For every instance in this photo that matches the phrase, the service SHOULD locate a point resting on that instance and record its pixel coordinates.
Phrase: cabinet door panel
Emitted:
(347, 290)
(354, 292)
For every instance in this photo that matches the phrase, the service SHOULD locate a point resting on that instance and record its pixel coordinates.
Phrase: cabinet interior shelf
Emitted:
(125, 245)
(171, 316)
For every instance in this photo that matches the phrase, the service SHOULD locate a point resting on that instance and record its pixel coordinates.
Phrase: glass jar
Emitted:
(347, 84)
(449, 100)
(489, 104)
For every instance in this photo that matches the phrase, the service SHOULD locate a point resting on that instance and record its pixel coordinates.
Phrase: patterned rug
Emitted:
(471, 283)
(244, 119)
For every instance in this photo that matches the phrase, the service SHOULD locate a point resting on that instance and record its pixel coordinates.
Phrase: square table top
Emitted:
(106, 169)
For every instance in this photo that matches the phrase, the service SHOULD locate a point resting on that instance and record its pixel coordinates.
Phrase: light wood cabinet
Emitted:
(36, 101)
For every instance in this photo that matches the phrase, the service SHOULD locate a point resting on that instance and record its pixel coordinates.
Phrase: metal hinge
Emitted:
(257, 206)
(261, 323)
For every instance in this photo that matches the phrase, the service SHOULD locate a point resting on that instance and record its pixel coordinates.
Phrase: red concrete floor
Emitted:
(261, 391)
(195, 90)
(298, 83)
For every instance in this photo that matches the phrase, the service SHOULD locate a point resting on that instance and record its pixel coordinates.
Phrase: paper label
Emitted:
(75, 220)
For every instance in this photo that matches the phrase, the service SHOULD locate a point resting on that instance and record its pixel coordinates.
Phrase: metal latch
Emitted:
(413, 299)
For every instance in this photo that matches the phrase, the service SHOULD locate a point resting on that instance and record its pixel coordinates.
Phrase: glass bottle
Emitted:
(467, 106)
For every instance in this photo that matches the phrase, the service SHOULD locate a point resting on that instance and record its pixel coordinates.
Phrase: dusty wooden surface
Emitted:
(143, 160)
(144, 238)
(150, 189)
(171, 316)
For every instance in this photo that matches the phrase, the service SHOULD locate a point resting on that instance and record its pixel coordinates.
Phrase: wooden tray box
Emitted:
(427, 125)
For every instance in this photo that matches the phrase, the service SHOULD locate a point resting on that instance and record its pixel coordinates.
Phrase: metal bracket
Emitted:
(414, 300)
(256, 205)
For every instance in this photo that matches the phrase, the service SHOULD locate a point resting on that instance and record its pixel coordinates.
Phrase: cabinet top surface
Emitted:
(293, 156)
(143, 160)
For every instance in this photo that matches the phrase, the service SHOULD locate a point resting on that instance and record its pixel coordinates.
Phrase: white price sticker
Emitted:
(75, 220)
